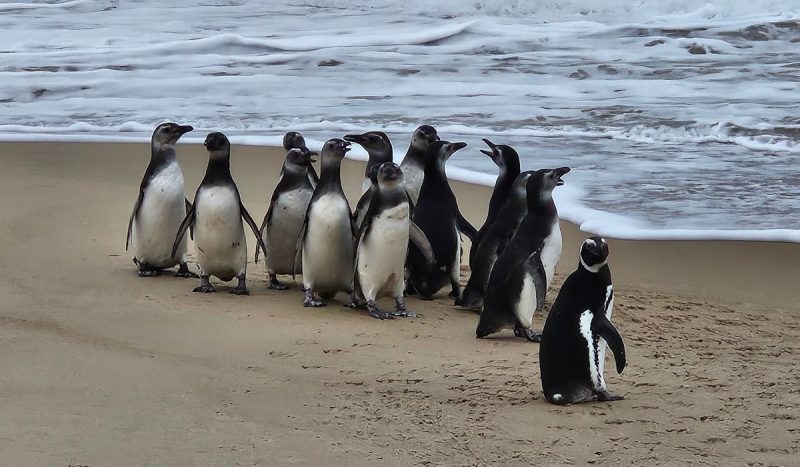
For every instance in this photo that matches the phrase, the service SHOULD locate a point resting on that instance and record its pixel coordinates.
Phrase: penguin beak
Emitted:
(311, 156)
(558, 173)
(492, 146)
(458, 146)
(358, 139)
(183, 129)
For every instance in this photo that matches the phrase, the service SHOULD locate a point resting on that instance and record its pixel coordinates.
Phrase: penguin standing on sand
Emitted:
(520, 277)
(219, 240)
(294, 140)
(327, 238)
(437, 214)
(507, 160)
(285, 216)
(494, 242)
(416, 158)
(382, 243)
(572, 353)
(379, 148)
(160, 207)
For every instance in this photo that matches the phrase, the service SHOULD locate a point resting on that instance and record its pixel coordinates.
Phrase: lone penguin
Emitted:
(520, 277)
(507, 159)
(382, 243)
(219, 240)
(437, 214)
(326, 240)
(577, 330)
(416, 159)
(160, 207)
(285, 216)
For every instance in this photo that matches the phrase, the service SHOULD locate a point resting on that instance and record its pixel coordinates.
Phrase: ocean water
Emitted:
(679, 118)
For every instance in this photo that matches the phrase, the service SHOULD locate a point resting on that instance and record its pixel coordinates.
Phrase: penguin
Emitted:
(379, 148)
(363, 202)
(382, 243)
(326, 240)
(437, 214)
(219, 240)
(285, 216)
(507, 159)
(294, 140)
(495, 240)
(160, 207)
(577, 330)
(520, 277)
(414, 162)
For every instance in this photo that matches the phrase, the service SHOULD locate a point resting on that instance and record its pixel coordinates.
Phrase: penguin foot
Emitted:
(605, 396)
(149, 273)
(529, 334)
(454, 294)
(400, 309)
(310, 301)
(205, 288)
(373, 311)
(183, 271)
(351, 304)
(240, 291)
(275, 285)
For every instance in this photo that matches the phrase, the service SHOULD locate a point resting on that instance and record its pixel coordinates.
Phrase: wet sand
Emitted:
(99, 367)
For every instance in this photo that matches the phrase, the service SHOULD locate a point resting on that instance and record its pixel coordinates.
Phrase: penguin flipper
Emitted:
(312, 173)
(418, 237)
(249, 219)
(136, 207)
(298, 247)
(466, 228)
(187, 221)
(189, 208)
(605, 329)
(539, 277)
(265, 222)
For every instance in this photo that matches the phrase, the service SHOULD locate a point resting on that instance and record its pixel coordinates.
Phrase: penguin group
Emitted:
(403, 238)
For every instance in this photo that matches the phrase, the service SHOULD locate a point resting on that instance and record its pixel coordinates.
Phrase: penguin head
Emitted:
(297, 160)
(501, 154)
(542, 182)
(423, 137)
(372, 173)
(334, 149)
(217, 144)
(520, 186)
(447, 149)
(168, 134)
(293, 140)
(375, 142)
(390, 175)
(594, 253)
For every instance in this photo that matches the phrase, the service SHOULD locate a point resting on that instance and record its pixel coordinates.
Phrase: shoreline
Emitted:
(101, 367)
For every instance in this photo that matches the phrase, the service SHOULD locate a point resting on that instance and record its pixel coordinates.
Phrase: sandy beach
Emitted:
(99, 367)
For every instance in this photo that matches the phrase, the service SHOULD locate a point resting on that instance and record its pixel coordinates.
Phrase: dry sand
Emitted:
(101, 368)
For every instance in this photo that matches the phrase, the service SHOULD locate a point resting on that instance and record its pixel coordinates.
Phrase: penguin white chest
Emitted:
(382, 253)
(551, 252)
(328, 245)
(280, 236)
(160, 214)
(526, 306)
(219, 235)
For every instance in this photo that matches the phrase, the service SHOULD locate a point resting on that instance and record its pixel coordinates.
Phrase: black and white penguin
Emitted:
(437, 214)
(379, 148)
(327, 238)
(572, 353)
(495, 240)
(520, 276)
(294, 140)
(507, 159)
(363, 203)
(285, 217)
(160, 207)
(416, 158)
(382, 243)
(219, 240)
